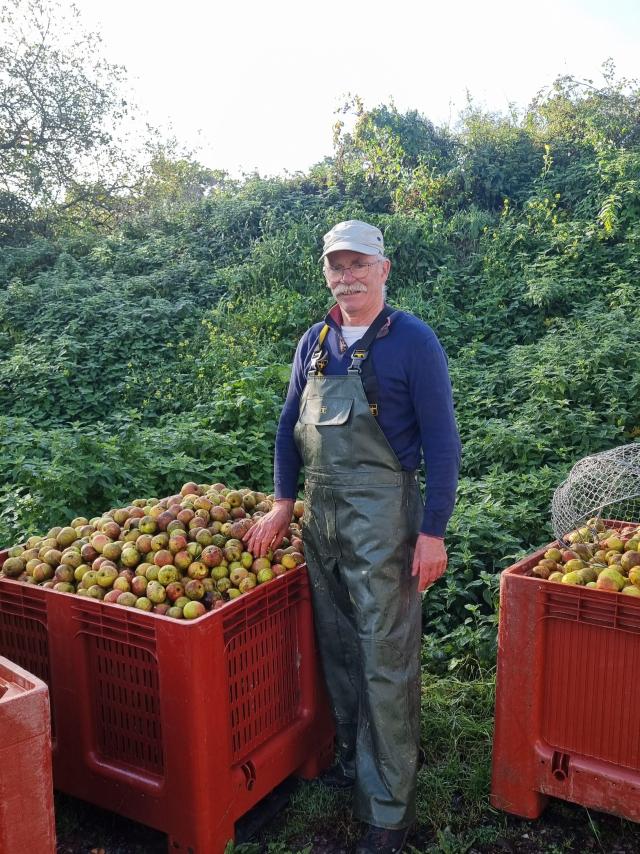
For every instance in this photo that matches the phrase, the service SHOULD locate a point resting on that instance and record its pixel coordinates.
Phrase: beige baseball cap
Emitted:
(354, 235)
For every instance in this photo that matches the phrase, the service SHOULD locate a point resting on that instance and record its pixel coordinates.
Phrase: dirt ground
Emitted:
(84, 829)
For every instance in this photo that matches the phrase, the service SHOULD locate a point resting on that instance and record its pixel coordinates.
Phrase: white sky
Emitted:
(255, 85)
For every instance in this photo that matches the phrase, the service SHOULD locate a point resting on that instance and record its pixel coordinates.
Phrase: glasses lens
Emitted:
(359, 270)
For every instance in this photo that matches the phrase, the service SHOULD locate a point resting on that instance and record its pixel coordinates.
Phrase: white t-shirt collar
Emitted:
(351, 334)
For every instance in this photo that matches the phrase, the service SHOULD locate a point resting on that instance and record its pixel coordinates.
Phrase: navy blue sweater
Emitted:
(415, 407)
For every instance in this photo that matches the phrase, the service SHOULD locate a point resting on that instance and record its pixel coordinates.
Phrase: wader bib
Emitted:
(362, 517)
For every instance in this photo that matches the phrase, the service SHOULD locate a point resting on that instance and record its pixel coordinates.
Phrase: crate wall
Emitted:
(567, 695)
(181, 725)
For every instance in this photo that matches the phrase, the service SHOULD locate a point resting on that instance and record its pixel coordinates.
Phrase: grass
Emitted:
(453, 785)
(457, 728)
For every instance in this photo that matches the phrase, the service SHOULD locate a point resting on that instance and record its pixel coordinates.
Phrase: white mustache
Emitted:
(355, 288)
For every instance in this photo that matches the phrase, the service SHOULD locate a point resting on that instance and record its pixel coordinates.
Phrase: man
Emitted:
(369, 393)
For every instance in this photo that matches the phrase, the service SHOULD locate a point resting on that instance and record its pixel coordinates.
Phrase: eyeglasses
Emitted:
(358, 270)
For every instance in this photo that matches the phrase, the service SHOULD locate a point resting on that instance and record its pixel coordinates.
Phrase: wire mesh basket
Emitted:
(601, 486)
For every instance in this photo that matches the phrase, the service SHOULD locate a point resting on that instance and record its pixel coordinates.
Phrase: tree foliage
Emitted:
(59, 106)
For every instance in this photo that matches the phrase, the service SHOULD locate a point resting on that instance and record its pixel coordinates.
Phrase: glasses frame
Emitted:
(337, 274)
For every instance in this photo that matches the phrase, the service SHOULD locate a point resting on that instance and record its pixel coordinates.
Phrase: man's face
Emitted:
(356, 290)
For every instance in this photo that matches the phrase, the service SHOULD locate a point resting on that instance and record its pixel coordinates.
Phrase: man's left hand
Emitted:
(429, 560)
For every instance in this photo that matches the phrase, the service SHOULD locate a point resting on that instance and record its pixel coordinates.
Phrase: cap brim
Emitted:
(364, 248)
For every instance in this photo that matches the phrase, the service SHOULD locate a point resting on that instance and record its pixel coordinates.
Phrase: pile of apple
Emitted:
(604, 558)
(178, 556)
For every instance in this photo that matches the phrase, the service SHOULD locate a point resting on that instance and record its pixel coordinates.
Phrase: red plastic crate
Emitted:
(567, 696)
(26, 792)
(181, 725)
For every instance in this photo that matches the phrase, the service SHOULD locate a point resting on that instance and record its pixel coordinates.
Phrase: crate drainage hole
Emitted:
(560, 766)
(249, 771)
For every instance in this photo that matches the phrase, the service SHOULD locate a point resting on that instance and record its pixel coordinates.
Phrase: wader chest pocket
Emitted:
(326, 412)
(324, 433)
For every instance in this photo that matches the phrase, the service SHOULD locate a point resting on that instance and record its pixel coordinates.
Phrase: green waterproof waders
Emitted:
(362, 517)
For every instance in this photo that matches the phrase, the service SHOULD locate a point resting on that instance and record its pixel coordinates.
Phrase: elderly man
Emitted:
(369, 395)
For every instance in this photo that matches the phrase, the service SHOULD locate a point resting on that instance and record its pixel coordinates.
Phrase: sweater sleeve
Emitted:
(430, 389)
(287, 462)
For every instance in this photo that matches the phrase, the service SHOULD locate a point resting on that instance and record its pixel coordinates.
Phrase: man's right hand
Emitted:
(268, 530)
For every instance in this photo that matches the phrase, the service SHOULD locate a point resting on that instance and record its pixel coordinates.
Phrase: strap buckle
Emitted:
(318, 363)
(319, 359)
(357, 359)
(373, 407)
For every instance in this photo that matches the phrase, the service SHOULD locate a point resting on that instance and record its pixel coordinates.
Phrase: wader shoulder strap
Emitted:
(319, 359)
(360, 363)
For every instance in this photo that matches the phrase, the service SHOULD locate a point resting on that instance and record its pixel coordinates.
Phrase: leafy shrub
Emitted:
(158, 352)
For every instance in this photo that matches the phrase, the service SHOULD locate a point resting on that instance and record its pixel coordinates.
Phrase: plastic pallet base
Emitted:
(567, 696)
(180, 725)
(27, 821)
